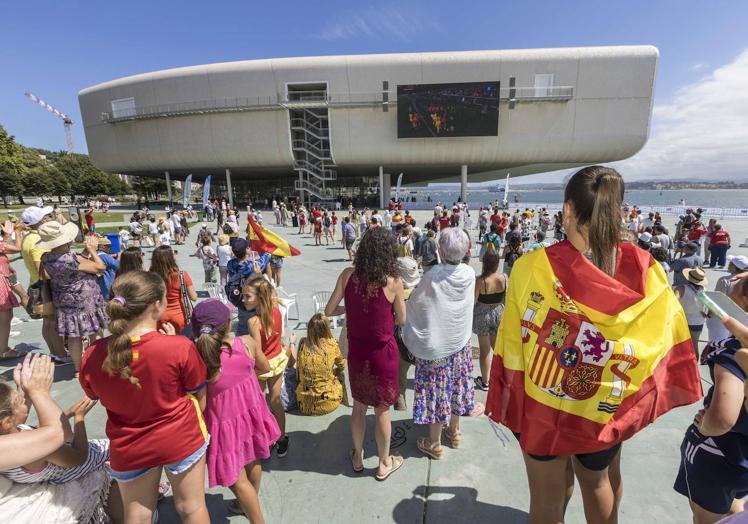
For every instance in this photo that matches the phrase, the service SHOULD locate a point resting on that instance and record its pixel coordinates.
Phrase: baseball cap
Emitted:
(33, 215)
(645, 237)
(739, 261)
(209, 315)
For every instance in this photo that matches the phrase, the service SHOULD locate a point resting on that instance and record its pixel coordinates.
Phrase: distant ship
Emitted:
(496, 189)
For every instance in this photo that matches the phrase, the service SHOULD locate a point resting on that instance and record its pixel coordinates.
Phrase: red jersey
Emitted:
(495, 218)
(443, 223)
(695, 233)
(89, 219)
(271, 345)
(719, 238)
(158, 423)
(335, 220)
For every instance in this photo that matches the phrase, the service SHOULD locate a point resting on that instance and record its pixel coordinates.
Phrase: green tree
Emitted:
(147, 187)
(11, 167)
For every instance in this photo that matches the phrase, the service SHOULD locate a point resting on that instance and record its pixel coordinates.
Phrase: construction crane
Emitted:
(66, 120)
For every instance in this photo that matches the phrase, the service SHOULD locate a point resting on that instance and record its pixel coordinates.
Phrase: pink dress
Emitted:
(373, 357)
(241, 427)
(7, 298)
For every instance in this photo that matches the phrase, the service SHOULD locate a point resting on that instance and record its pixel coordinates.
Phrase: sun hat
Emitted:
(53, 234)
(209, 315)
(33, 215)
(695, 276)
(739, 261)
(407, 268)
(104, 241)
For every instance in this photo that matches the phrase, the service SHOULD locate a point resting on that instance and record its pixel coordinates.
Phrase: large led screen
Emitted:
(448, 110)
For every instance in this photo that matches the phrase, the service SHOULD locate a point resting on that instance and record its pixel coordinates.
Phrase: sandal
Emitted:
(10, 354)
(397, 462)
(351, 454)
(453, 439)
(478, 410)
(432, 449)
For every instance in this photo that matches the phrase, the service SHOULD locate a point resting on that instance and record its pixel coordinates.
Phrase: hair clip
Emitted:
(120, 299)
(206, 330)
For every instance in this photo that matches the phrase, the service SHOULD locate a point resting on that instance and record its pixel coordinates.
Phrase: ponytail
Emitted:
(596, 195)
(133, 293)
(209, 344)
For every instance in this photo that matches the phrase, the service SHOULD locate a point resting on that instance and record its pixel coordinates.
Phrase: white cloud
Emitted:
(701, 133)
(402, 21)
(698, 66)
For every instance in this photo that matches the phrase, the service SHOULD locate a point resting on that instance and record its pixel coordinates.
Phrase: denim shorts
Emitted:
(175, 468)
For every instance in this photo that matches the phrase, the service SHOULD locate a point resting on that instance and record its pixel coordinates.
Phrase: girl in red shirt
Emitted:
(152, 386)
(266, 329)
(165, 265)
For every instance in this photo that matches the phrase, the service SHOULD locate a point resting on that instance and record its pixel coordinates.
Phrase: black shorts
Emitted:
(597, 461)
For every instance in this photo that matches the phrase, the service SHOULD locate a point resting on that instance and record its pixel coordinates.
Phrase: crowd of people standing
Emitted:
(221, 373)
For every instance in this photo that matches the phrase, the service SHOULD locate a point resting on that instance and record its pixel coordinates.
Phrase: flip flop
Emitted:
(397, 462)
(10, 354)
(351, 453)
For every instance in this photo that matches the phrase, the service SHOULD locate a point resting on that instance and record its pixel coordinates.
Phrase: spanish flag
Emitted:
(265, 241)
(584, 361)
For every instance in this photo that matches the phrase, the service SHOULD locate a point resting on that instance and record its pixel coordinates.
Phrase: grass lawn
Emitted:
(101, 218)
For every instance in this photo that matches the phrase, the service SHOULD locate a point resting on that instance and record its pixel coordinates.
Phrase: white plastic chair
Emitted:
(320, 300)
(288, 300)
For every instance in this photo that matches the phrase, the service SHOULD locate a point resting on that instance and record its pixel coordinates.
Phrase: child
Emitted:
(152, 386)
(319, 367)
(78, 459)
(124, 238)
(318, 231)
(238, 419)
(209, 258)
(334, 219)
(153, 231)
(266, 329)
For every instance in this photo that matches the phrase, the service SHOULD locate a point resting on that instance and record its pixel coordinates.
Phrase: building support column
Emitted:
(385, 188)
(463, 183)
(229, 189)
(168, 187)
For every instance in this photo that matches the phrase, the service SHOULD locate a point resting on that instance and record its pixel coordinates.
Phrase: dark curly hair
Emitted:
(376, 256)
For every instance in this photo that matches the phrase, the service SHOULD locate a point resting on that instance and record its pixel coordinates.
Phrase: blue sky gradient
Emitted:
(56, 48)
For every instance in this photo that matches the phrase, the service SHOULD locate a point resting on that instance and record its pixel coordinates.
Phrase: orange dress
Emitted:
(175, 313)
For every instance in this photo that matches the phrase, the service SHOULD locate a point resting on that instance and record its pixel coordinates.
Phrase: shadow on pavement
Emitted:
(217, 508)
(449, 504)
(326, 452)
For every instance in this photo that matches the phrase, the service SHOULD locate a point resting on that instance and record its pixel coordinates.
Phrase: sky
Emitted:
(700, 119)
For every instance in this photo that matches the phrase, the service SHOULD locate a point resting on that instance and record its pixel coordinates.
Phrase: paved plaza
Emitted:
(483, 481)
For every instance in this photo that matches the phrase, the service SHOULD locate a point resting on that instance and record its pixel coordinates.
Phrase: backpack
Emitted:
(227, 229)
(234, 286)
(327, 222)
(512, 256)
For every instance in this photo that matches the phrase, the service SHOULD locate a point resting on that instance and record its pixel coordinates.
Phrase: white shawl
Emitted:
(439, 312)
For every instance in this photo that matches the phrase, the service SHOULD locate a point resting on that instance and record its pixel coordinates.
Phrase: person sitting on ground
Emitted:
(241, 427)
(320, 370)
(80, 308)
(437, 333)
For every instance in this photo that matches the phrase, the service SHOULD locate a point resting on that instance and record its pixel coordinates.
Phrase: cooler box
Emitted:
(114, 239)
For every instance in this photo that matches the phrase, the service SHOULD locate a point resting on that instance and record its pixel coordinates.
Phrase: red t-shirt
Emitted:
(316, 213)
(334, 220)
(443, 223)
(89, 218)
(157, 424)
(271, 346)
(495, 218)
(720, 237)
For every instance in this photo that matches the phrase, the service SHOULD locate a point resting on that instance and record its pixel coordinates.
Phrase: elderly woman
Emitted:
(437, 332)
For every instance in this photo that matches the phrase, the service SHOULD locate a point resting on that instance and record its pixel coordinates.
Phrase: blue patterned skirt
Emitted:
(444, 387)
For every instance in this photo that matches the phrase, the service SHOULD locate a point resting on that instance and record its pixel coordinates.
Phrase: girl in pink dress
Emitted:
(241, 427)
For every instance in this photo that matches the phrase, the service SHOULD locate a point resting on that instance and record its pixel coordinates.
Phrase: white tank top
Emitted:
(691, 306)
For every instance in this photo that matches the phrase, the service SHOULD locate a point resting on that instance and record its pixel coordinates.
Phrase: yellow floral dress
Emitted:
(320, 370)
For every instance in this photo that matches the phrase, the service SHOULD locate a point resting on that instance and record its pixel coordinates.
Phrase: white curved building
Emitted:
(321, 122)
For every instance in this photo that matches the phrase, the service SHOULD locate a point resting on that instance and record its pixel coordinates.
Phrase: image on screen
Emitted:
(448, 110)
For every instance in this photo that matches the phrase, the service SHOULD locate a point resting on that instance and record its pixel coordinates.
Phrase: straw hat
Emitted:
(53, 234)
(695, 276)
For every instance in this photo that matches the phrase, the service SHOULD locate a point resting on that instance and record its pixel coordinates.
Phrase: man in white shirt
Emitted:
(176, 227)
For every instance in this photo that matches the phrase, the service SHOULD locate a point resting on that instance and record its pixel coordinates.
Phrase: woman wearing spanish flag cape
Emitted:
(578, 368)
